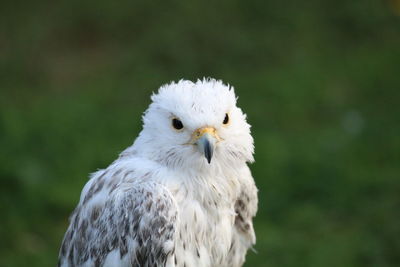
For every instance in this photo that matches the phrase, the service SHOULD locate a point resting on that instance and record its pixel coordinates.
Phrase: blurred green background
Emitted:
(319, 81)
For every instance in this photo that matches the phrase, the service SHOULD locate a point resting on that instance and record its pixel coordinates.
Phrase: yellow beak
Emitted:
(206, 138)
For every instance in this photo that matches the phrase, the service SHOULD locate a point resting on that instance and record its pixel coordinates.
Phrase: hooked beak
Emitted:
(206, 139)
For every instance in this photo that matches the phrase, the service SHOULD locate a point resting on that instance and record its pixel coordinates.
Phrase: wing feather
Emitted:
(245, 209)
(134, 226)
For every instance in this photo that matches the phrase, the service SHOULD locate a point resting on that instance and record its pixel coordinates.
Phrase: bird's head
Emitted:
(196, 124)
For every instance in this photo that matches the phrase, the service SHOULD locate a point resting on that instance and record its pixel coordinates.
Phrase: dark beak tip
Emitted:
(208, 153)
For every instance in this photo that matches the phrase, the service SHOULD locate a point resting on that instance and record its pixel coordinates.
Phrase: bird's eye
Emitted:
(177, 124)
(226, 119)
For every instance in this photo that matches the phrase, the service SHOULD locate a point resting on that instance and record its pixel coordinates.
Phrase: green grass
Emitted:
(319, 82)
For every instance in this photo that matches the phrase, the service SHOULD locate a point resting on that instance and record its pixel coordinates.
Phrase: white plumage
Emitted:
(181, 195)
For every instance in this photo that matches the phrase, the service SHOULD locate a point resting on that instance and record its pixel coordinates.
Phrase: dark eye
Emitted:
(177, 124)
(226, 120)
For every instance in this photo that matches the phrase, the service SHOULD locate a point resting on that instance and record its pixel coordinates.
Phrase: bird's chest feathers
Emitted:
(206, 219)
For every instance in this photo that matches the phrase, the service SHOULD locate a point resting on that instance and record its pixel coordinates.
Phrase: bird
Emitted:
(181, 195)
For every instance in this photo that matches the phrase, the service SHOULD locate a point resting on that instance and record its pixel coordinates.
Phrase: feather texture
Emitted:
(161, 203)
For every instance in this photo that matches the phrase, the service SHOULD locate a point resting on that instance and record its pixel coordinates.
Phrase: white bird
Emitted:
(181, 195)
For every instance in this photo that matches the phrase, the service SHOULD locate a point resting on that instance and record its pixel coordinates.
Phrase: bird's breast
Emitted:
(204, 230)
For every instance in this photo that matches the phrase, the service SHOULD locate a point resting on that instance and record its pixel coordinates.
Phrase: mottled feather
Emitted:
(135, 225)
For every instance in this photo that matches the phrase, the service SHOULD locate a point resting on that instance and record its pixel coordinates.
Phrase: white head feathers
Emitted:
(200, 105)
